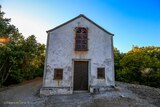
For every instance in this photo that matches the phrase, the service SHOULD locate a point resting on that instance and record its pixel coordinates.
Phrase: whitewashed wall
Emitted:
(61, 53)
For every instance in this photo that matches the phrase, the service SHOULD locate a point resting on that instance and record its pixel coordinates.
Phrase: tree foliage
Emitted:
(140, 65)
(20, 58)
(6, 29)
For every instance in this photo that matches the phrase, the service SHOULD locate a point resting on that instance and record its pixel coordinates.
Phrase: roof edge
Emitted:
(81, 15)
(64, 23)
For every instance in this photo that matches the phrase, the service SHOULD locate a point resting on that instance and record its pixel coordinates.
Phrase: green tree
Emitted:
(141, 65)
(20, 59)
(6, 29)
(117, 57)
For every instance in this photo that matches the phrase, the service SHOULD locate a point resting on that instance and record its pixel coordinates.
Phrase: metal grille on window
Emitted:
(81, 40)
(101, 73)
(58, 74)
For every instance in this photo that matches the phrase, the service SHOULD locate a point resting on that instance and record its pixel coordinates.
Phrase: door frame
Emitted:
(89, 71)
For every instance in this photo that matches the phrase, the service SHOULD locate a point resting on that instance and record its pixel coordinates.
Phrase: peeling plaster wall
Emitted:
(61, 53)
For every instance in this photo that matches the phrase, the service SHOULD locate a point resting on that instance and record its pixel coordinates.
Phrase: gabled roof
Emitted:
(81, 15)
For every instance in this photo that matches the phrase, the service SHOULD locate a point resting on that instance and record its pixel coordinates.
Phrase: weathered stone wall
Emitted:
(61, 54)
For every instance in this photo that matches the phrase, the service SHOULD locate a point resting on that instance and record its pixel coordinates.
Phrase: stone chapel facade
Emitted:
(79, 57)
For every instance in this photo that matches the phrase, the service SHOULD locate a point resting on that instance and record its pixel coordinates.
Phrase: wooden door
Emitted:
(81, 75)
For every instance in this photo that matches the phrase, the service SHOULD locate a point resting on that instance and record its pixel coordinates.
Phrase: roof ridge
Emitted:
(81, 15)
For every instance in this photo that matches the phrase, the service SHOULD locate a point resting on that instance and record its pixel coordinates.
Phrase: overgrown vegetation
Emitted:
(140, 65)
(20, 58)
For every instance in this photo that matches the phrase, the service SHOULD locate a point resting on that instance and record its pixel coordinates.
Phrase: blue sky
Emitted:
(133, 22)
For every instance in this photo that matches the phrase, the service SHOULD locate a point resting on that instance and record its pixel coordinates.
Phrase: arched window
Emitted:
(81, 40)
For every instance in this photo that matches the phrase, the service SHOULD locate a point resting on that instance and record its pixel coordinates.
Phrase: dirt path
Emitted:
(125, 95)
(23, 95)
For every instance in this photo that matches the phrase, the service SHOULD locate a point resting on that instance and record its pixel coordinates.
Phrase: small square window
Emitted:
(58, 74)
(101, 73)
